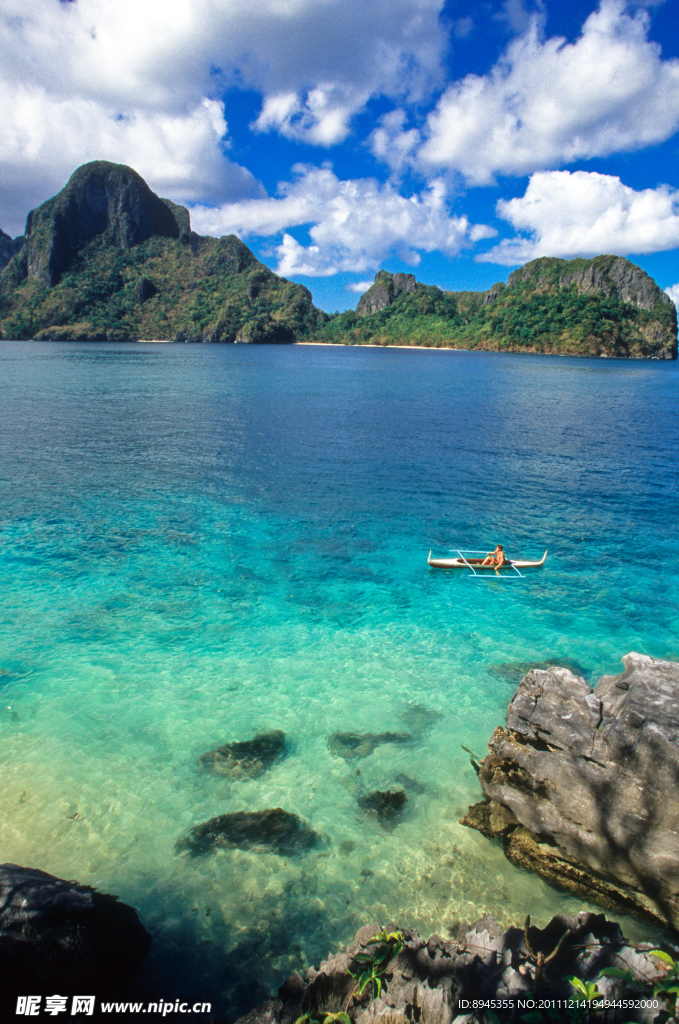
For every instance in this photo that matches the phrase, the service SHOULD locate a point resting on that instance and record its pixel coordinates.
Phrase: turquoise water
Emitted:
(200, 543)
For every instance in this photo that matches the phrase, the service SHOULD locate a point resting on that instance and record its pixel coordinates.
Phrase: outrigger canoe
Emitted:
(465, 560)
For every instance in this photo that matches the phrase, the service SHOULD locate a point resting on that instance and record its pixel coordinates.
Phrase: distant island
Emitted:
(107, 259)
(605, 306)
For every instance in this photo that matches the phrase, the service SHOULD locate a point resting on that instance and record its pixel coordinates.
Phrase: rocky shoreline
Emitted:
(57, 936)
(438, 981)
(581, 785)
(61, 937)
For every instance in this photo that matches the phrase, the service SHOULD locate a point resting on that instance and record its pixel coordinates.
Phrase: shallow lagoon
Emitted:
(200, 543)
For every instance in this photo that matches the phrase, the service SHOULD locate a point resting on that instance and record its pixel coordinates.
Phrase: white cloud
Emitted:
(354, 225)
(43, 139)
(302, 202)
(358, 287)
(138, 80)
(584, 213)
(320, 118)
(673, 292)
(321, 67)
(162, 53)
(549, 102)
(393, 142)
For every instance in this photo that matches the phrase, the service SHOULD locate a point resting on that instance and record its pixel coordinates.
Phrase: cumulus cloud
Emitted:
(324, 64)
(673, 292)
(138, 80)
(44, 138)
(358, 287)
(161, 53)
(321, 117)
(393, 142)
(549, 102)
(354, 225)
(584, 213)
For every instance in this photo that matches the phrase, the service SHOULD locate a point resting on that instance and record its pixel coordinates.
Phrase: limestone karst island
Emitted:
(107, 259)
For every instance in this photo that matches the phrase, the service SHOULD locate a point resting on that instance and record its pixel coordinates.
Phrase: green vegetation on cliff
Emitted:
(204, 289)
(602, 306)
(106, 258)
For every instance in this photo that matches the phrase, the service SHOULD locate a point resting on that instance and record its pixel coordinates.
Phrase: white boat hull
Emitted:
(460, 563)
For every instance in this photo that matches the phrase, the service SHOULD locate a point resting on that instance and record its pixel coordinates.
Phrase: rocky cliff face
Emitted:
(182, 217)
(582, 785)
(107, 258)
(383, 292)
(605, 306)
(100, 199)
(612, 279)
(608, 275)
(9, 247)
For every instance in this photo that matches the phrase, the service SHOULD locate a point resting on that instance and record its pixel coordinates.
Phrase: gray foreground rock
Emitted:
(429, 982)
(58, 936)
(583, 786)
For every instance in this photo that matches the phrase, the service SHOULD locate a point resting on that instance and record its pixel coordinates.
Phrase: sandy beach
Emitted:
(411, 348)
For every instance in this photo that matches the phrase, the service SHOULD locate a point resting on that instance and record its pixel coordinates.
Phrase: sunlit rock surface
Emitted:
(582, 785)
(432, 982)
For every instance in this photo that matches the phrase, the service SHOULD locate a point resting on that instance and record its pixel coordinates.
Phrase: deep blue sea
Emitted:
(201, 543)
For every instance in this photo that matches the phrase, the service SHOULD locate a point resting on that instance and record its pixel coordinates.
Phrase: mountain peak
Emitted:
(100, 198)
(384, 290)
(106, 258)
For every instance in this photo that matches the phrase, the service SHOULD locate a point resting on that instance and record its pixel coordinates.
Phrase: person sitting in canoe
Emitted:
(495, 558)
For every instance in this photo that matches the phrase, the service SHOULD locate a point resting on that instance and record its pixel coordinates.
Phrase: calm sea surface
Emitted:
(200, 543)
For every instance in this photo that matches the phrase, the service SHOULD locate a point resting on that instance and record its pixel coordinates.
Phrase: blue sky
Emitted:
(450, 140)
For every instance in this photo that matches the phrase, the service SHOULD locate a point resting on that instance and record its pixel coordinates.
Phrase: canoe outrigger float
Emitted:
(471, 560)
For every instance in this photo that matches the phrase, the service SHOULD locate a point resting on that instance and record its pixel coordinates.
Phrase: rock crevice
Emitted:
(384, 291)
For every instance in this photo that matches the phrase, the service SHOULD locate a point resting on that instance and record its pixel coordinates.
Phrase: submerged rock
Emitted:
(350, 745)
(249, 758)
(582, 785)
(418, 718)
(59, 936)
(273, 830)
(410, 784)
(385, 806)
(514, 671)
